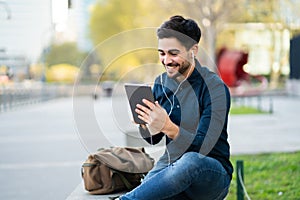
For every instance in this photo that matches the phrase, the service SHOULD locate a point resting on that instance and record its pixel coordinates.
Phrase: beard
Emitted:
(175, 70)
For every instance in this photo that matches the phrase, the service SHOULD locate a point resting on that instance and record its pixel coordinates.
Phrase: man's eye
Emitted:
(174, 53)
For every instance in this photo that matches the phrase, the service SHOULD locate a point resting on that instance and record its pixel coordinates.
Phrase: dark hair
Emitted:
(185, 30)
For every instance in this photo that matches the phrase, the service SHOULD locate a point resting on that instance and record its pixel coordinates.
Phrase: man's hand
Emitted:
(157, 118)
(153, 114)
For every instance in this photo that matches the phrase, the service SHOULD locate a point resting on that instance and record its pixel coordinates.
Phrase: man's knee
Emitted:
(192, 156)
(194, 160)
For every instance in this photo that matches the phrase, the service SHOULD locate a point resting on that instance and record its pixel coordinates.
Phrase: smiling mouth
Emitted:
(171, 69)
(171, 66)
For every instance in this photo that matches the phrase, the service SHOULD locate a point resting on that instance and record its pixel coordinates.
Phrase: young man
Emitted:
(191, 111)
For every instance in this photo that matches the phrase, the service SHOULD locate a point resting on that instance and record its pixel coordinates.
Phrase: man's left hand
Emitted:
(153, 114)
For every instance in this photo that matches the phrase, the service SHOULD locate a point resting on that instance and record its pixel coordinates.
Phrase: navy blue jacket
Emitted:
(200, 107)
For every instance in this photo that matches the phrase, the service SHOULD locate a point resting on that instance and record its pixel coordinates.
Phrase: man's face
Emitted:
(174, 56)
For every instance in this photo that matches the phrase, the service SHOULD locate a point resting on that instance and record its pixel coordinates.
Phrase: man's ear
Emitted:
(194, 49)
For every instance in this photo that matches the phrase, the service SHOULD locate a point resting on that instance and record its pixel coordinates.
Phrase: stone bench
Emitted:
(80, 193)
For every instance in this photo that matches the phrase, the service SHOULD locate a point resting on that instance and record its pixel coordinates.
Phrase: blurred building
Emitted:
(28, 27)
(76, 27)
(293, 84)
(12, 66)
(266, 44)
(80, 13)
(25, 28)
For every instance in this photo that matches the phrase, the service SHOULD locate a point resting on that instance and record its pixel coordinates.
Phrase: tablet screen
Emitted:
(135, 94)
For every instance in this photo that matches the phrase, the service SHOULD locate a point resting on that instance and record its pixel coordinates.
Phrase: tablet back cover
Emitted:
(135, 94)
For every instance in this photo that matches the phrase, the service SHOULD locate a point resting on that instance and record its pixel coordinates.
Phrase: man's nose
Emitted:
(167, 59)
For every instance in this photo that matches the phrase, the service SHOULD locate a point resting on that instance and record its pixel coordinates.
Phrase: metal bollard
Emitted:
(240, 179)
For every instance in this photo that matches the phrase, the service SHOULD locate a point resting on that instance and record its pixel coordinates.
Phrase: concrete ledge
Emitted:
(80, 193)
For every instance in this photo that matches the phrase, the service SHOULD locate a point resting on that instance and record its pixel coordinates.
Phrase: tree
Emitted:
(119, 29)
(67, 53)
(62, 73)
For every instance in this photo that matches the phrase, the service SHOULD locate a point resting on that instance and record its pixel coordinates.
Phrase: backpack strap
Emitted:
(127, 184)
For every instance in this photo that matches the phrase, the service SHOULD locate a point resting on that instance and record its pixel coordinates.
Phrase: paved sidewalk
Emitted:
(277, 132)
(248, 134)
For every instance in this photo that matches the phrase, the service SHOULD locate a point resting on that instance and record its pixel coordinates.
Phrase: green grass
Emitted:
(269, 176)
(242, 110)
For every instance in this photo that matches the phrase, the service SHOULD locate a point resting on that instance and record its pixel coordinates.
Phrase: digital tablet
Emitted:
(135, 94)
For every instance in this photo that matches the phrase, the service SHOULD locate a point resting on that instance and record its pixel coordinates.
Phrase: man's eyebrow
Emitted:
(170, 50)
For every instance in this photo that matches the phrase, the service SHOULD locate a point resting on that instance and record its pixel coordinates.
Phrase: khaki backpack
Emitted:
(115, 169)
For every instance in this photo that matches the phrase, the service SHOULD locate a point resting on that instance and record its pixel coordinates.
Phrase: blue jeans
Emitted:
(193, 176)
